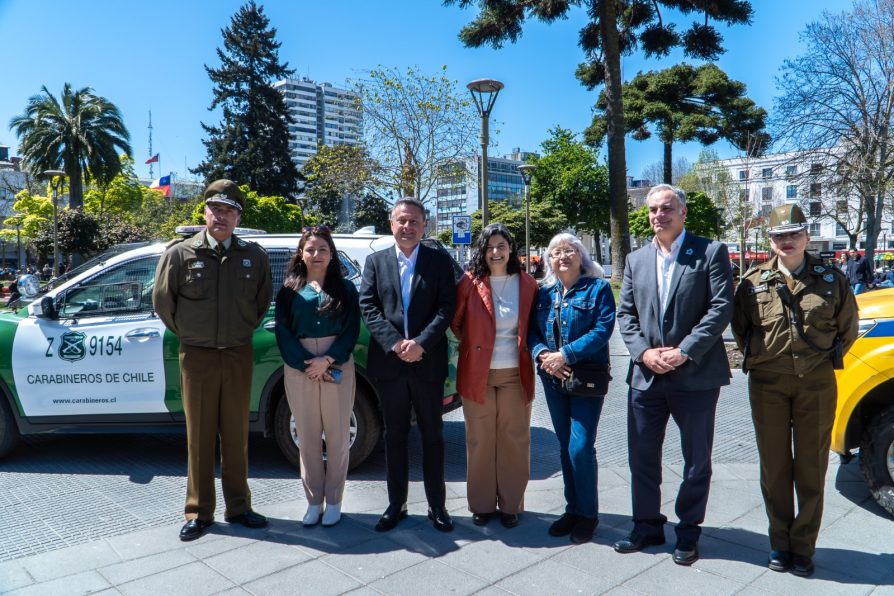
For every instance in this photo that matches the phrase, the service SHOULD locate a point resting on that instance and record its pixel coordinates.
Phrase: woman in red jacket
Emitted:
(495, 376)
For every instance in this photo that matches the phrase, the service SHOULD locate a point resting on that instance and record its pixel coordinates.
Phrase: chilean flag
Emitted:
(163, 184)
(153, 159)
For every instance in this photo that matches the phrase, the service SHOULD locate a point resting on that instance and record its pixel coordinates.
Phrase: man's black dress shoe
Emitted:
(249, 519)
(802, 565)
(509, 520)
(440, 519)
(564, 525)
(194, 528)
(583, 530)
(780, 560)
(392, 515)
(636, 542)
(481, 519)
(686, 553)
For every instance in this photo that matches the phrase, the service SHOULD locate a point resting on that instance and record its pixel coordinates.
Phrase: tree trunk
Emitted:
(75, 187)
(597, 245)
(614, 116)
(668, 163)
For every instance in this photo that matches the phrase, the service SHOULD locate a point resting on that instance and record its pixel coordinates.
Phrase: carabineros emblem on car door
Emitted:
(72, 348)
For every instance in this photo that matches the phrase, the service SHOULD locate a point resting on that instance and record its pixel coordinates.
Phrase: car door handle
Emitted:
(144, 333)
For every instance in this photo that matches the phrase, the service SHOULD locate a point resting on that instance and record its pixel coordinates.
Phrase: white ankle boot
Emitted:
(332, 514)
(312, 517)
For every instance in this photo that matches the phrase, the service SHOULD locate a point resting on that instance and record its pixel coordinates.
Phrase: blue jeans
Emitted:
(575, 419)
(858, 288)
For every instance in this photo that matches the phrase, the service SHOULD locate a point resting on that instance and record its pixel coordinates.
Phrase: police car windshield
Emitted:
(75, 271)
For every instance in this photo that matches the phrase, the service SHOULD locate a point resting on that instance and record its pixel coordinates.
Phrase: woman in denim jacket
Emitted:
(574, 283)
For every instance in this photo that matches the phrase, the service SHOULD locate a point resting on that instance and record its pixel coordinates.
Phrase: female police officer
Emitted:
(794, 320)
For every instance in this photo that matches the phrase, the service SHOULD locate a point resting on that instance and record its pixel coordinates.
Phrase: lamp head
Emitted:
(484, 93)
(527, 172)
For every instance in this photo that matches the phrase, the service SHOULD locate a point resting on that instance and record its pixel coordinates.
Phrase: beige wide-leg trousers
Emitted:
(322, 409)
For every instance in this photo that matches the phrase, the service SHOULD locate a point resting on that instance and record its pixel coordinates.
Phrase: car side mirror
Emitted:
(45, 309)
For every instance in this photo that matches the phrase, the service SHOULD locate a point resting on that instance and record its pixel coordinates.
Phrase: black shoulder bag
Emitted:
(588, 379)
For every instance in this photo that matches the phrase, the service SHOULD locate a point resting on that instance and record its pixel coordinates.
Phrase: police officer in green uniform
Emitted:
(212, 290)
(795, 319)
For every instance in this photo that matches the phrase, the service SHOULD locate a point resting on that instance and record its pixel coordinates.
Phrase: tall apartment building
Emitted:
(458, 189)
(807, 179)
(323, 114)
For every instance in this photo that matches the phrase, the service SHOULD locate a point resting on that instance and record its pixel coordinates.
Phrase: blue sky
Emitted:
(150, 56)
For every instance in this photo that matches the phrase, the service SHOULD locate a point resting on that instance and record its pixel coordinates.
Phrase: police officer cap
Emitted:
(225, 192)
(786, 219)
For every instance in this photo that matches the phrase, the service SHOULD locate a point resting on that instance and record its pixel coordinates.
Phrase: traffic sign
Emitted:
(462, 229)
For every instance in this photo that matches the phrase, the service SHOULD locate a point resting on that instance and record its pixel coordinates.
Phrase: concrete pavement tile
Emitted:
(425, 540)
(317, 541)
(121, 573)
(734, 561)
(71, 560)
(668, 577)
(822, 583)
(237, 591)
(85, 582)
(109, 592)
(143, 543)
(491, 560)
(13, 575)
(212, 544)
(195, 579)
(729, 501)
(311, 577)
(883, 591)
(866, 567)
(373, 560)
(622, 591)
(861, 529)
(433, 575)
(551, 577)
(752, 591)
(364, 591)
(256, 560)
(600, 558)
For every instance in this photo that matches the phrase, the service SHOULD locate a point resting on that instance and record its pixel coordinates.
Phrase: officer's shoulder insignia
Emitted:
(246, 262)
(829, 277)
(241, 242)
(766, 275)
(197, 243)
(819, 269)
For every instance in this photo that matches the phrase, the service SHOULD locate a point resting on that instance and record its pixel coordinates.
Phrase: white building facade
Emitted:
(323, 114)
(807, 179)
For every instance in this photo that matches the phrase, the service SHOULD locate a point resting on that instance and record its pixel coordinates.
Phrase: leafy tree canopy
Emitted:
(372, 211)
(703, 218)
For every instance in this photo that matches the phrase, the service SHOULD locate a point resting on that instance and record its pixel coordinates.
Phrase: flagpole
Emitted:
(151, 177)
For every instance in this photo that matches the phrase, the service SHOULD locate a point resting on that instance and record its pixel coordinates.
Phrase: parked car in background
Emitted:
(864, 418)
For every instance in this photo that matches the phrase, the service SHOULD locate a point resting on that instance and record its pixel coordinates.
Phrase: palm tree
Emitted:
(81, 135)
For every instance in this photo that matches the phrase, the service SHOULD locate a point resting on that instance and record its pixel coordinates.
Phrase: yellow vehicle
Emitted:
(865, 415)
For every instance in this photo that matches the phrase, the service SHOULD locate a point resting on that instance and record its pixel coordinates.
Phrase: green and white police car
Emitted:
(87, 353)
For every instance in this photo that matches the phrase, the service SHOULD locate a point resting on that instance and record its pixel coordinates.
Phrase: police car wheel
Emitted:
(877, 459)
(9, 434)
(365, 429)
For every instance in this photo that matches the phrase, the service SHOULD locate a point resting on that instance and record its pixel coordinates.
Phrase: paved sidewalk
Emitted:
(854, 554)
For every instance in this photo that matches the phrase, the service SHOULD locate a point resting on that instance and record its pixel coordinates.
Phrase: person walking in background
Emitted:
(791, 380)
(676, 301)
(317, 325)
(573, 320)
(212, 290)
(407, 300)
(858, 271)
(495, 376)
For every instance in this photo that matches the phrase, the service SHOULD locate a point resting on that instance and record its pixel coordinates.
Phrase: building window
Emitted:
(814, 229)
(743, 174)
(816, 168)
(743, 195)
(816, 189)
(767, 194)
(841, 205)
(791, 191)
(767, 172)
(791, 170)
(839, 230)
(816, 208)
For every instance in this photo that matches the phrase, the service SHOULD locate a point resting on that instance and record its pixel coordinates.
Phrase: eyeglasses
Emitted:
(786, 236)
(563, 252)
(316, 229)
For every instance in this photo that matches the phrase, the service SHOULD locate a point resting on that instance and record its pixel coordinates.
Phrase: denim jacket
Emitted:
(587, 320)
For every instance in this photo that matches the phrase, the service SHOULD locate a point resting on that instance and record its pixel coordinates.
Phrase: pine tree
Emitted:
(251, 145)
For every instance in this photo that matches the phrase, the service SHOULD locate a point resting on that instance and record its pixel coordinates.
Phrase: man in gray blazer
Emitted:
(676, 301)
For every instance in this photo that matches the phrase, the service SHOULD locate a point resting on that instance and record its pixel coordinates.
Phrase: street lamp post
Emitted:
(527, 171)
(484, 93)
(53, 174)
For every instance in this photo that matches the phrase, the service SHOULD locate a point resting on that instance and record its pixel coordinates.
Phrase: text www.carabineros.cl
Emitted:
(87, 400)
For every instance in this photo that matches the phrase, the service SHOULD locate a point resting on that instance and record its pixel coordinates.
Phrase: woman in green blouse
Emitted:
(317, 324)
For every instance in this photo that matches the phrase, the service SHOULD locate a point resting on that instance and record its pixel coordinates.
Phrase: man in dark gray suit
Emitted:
(676, 301)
